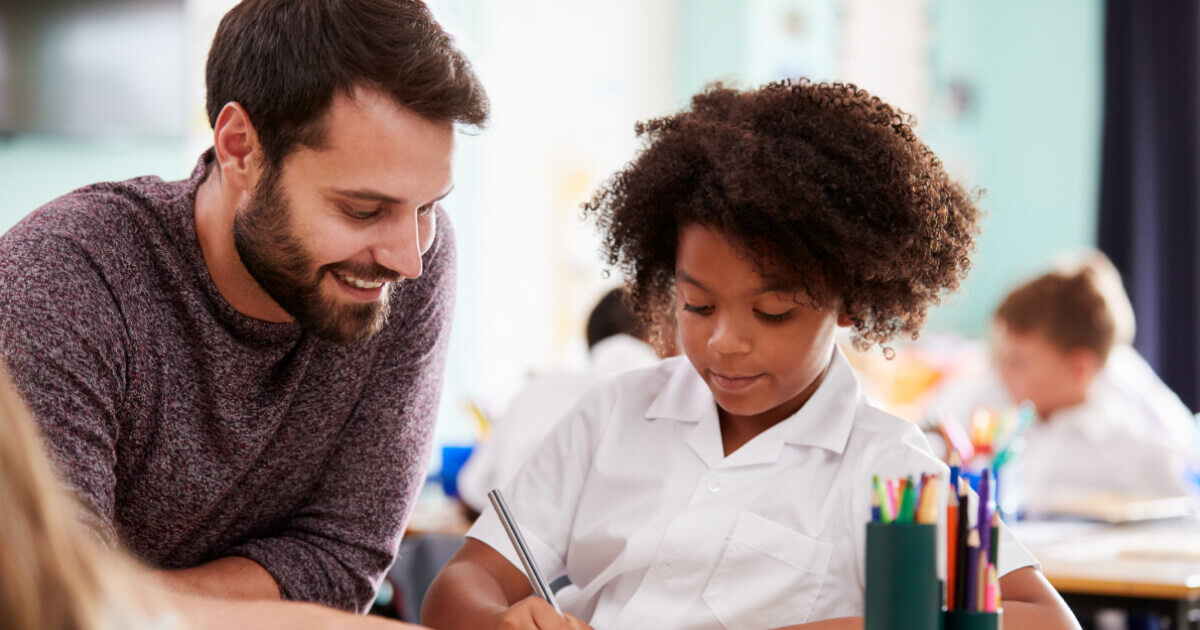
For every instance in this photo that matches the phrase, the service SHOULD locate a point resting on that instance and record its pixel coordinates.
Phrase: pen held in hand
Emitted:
(540, 586)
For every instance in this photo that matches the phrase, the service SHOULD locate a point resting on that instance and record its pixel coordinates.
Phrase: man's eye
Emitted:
(424, 210)
(361, 215)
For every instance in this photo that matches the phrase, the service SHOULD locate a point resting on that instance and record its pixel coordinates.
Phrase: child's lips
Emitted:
(732, 382)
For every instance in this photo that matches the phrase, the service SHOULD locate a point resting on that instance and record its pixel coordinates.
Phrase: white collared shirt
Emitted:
(1098, 447)
(535, 410)
(632, 497)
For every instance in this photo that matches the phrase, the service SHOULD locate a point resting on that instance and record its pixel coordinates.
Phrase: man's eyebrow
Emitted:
(367, 194)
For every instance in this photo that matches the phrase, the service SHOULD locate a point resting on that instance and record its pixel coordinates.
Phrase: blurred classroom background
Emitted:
(1009, 94)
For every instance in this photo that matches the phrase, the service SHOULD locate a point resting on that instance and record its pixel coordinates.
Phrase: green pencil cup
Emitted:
(969, 620)
(903, 589)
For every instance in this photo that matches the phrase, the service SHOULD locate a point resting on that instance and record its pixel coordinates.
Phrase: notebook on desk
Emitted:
(1114, 508)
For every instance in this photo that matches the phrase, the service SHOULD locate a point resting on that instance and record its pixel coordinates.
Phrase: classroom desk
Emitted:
(1148, 568)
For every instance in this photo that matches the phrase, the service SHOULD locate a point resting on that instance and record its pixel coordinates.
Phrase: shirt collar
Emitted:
(825, 421)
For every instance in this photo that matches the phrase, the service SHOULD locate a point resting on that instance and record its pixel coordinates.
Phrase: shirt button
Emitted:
(714, 486)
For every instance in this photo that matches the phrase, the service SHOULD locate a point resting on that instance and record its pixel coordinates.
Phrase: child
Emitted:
(731, 488)
(614, 345)
(1056, 346)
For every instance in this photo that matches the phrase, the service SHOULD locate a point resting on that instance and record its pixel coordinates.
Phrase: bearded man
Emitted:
(238, 373)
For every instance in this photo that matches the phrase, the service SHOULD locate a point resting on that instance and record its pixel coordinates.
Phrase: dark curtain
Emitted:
(1149, 198)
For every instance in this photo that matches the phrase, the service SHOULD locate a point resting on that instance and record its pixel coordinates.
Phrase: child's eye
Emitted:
(701, 310)
(770, 317)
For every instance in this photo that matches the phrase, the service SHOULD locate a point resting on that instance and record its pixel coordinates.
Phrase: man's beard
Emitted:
(282, 266)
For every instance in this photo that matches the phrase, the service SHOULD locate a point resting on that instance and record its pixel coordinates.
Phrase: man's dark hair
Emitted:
(283, 60)
(611, 316)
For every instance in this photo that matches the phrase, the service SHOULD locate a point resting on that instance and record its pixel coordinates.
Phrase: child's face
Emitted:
(760, 349)
(1035, 369)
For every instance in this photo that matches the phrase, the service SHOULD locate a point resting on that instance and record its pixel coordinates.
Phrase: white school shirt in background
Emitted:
(1094, 448)
(536, 408)
(632, 497)
(1147, 406)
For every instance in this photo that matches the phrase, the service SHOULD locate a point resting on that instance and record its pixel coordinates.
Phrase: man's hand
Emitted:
(535, 613)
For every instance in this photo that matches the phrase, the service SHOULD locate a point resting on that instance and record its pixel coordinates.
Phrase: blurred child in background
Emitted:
(615, 344)
(1107, 423)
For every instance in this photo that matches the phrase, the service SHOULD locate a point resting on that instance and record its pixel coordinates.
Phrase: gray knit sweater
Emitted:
(195, 432)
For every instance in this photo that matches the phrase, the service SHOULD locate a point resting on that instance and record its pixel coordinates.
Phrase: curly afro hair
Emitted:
(820, 185)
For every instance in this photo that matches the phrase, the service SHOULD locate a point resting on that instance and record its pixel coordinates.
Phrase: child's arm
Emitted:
(479, 588)
(1029, 602)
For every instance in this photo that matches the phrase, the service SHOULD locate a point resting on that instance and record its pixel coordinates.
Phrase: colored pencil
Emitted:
(994, 548)
(971, 586)
(875, 517)
(906, 502)
(984, 522)
(964, 526)
(892, 500)
(951, 545)
(981, 593)
(955, 469)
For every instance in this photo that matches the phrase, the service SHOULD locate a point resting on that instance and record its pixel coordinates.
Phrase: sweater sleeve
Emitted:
(336, 549)
(62, 337)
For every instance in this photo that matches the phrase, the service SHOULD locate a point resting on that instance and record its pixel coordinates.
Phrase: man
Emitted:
(238, 373)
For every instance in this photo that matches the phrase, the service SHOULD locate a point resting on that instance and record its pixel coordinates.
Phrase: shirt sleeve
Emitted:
(64, 342)
(336, 549)
(544, 494)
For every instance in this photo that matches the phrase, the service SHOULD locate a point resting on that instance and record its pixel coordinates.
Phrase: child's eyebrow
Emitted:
(771, 286)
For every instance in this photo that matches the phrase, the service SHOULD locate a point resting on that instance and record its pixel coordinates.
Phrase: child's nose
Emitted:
(726, 338)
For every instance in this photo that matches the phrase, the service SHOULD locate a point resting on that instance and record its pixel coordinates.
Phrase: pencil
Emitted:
(994, 549)
(971, 586)
(951, 546)
(964, 525)
(906, 502)
(892, 499)
(984, 522)
(981, 596)
(875, 507)
(989, 593)
(881, 496)
(540, 586)
(931, 493)
(955, 469)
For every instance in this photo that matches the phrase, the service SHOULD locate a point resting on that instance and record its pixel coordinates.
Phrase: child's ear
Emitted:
(1085, 364)
(844, 320)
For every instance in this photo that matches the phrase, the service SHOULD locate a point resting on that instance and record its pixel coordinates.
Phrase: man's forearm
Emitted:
(231, 577)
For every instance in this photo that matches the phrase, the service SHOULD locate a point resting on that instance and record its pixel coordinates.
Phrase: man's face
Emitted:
(331, 232)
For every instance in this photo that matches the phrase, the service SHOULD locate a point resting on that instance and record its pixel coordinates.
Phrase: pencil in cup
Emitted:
(541, 587)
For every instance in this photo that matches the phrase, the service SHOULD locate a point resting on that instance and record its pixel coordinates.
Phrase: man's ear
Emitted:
(236, 144)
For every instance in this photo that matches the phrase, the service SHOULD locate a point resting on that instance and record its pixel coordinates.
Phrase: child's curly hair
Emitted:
(818, 184)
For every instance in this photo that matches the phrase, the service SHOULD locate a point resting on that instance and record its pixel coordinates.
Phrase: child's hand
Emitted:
(535, 613)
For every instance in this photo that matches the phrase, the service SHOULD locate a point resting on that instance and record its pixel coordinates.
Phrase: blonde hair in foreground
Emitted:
(48, 563)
